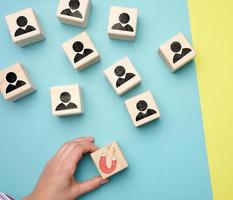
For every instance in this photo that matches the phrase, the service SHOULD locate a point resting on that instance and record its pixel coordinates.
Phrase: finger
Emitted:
(81, 139)
(76, 154)
(66, 148)
(89, 185)
(87, 138)
(88, 147)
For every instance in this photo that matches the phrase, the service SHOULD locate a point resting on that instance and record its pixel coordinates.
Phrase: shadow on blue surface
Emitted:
(167, 158)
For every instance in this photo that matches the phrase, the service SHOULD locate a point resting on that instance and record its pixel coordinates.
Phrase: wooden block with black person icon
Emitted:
(81, 51)
(15, 82)
(122, 23)
(142, 108)
(109, 160)
(74, 12)
(24, 27)
(176, 52)
(67, 100)
(122, 76)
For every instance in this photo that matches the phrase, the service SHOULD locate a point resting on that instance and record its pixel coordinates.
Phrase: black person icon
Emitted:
(142, 107)
(11, 77)
(176, 47)
(21, 22)
(74, 5)
(124, 19)
(78, 47)
(120, 71)
(65, 98)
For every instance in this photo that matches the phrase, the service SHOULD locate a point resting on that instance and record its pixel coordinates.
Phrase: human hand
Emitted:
(57, 180)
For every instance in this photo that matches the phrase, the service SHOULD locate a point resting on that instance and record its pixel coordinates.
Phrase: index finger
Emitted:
(77, 153)
(88, 147)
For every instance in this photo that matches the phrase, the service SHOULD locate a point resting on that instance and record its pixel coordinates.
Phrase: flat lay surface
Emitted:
(167, 157)
(214, 74)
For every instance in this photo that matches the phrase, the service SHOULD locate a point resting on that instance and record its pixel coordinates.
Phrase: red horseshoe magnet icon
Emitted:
(103, 163)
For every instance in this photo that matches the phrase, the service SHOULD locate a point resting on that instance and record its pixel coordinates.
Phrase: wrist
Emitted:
(32, 196)
(27, 197)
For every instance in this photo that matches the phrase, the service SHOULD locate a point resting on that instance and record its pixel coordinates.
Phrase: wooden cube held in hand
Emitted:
(109, 160)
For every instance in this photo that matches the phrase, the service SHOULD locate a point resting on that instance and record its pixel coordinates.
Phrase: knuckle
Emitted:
(66, 144)
(78, 148)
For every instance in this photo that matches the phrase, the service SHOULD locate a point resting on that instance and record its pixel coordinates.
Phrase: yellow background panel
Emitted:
(212, 30)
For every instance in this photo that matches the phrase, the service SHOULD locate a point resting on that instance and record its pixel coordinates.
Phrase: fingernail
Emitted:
(91, 138)
(104, 181)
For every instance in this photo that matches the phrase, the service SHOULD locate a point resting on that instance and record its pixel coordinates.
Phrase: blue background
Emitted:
(167, 158)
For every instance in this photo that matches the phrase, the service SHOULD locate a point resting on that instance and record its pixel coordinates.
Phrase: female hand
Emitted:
(57, 180)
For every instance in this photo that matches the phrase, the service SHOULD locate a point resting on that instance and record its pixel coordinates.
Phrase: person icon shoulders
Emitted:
(65, 98)
(22, 22)
(142, 107)
(128, 76)
(79, 47)
(73, 5)
(120, 71)
(124, 19)
(176, 47)
(11, 77)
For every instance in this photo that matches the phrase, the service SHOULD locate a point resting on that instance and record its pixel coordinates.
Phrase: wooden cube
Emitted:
(142, 108)
(24, 27)
(122, 76)
(122, 23)
(15, 82)
(66, 100)
(109, 160)
(176, 52)
(74, 12)
(81, 51)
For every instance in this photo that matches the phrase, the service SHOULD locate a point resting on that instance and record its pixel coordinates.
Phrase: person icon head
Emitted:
(141, 105)
(11, 78)
(176, 47)
(124, 19)
(65, 97)
(119, 71)
(74, 4)
(21, 21)
(78, 46)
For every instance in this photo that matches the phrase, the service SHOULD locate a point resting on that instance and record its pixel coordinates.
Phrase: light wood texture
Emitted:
(114, 15)
(21, 76)
(63, 105)
(84, 9)
(168, 54)
(87, 44)
(109, 160)
(32, 20)
(140, 112)
(116, 76)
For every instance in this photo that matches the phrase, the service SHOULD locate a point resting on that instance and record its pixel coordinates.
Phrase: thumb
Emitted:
(89, 185)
